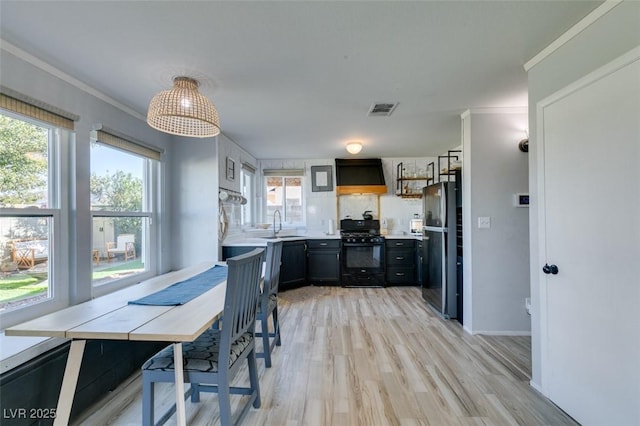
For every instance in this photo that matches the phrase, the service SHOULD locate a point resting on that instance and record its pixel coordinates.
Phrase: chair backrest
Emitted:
(123, 239)
(241, 298)
(272, 272)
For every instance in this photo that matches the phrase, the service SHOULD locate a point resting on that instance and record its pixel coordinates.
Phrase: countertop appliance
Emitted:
(415, 226)
(362, 253)
(439, 285)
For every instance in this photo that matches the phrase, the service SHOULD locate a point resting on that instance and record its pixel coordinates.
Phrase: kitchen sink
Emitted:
(282, 237)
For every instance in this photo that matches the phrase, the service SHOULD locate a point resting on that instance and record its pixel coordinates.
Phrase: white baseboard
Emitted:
(536, 386)
(499, 333)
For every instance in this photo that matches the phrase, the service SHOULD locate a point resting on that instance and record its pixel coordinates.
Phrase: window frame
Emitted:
(284, 174)
(152, 173)
(249, 208)
(59, 141)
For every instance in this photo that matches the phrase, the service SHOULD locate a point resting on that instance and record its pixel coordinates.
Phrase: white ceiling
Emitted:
(296, 79)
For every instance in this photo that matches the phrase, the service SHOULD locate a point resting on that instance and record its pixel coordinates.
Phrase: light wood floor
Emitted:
(370, 357)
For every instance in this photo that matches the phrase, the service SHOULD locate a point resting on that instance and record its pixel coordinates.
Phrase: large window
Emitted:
(122, 205)
(284, 193)
(32, 226)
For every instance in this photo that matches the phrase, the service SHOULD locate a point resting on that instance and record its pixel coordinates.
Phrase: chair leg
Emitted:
(195, 392)
(224, 401)
(276, 326)
(216, 325)
(253, 377)
(266, 346)
(147, 400)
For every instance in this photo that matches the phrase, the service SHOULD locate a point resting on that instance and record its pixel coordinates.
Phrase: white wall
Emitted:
(607, 38)
(194, 168)
(496, 260)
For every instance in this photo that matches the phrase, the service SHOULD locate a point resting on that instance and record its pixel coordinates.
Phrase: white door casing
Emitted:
(589, 213)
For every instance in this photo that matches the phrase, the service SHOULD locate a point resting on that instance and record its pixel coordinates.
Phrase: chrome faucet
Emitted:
(275, 231)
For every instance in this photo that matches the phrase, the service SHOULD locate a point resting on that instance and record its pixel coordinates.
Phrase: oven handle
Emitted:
(361, 244)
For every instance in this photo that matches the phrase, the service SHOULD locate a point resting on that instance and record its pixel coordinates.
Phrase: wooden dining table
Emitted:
(111, 317)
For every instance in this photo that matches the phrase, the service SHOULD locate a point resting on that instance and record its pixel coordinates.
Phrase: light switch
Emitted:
(484, 222)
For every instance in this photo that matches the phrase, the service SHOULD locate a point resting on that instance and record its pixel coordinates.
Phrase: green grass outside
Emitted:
(24, 285)
(122, 269)
(20, 286)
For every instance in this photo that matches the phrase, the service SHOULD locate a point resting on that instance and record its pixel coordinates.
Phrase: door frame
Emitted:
(624, 60)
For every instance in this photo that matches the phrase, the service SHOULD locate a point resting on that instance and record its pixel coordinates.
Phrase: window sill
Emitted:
(16, 350)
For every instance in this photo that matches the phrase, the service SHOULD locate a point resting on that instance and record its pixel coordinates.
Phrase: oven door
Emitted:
(362, 258)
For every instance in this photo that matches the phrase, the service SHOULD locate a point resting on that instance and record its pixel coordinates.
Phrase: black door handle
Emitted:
(550, 269)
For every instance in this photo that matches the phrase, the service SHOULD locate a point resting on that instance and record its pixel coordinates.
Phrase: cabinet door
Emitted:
(294, 264)
(323, 266)
(401, 257)
(399, 243)
(400, 275)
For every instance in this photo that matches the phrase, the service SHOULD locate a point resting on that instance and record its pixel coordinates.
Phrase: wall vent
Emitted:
(383, 109)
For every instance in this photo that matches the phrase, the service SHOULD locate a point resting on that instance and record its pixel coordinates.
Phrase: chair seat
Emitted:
(273, 302)
(201, 355)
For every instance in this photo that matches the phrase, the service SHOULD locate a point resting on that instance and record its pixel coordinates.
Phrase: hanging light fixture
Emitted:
(354, 147)
(183, 111)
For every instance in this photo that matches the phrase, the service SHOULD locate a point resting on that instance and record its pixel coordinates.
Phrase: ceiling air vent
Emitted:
(382, 109)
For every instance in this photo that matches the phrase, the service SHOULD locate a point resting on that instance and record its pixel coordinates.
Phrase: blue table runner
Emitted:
(183, 291)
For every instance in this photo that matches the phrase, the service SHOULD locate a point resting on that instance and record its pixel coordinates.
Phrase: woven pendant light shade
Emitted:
(183, 111)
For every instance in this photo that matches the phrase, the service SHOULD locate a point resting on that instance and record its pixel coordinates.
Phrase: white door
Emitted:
(589, 156)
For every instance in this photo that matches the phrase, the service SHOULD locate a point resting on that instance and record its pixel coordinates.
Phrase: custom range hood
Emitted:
(360, 176)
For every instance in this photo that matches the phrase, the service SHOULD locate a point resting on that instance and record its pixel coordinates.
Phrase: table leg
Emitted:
(69, 382)
(181, 415)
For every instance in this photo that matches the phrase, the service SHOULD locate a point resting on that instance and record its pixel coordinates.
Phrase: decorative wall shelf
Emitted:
(409, 185)
(452, 163)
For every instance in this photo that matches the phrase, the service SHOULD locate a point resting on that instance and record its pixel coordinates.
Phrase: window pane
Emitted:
(118, 247)
(285, 194)
(24, 266)
(24, 170)
(116, 179)
(275, 191)
(247, 192)
(293, 200)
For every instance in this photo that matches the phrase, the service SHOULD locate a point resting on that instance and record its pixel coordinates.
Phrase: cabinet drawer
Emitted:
(400, 243)
(400, 275)
(323, 244)
(400, 257)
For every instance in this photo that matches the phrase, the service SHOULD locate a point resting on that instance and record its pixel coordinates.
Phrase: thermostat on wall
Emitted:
(521, 200)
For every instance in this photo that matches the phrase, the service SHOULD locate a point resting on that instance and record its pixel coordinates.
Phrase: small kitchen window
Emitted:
(285, 192)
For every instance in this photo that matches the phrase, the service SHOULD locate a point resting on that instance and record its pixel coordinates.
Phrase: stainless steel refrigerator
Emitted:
(439, 282)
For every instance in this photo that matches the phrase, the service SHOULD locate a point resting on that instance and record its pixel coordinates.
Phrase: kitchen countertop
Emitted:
(403, 237)
(262, 241)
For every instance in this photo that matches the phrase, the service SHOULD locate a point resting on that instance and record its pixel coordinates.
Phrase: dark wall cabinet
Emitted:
(400, 261)
(323, 262)
(293, 269)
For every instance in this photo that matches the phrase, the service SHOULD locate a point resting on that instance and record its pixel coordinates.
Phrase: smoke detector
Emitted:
(383, 109)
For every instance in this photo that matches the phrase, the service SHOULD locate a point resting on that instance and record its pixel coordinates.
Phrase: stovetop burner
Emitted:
(360, 231)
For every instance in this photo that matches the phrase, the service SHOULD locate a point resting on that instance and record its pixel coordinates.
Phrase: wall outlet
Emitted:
(484, 222)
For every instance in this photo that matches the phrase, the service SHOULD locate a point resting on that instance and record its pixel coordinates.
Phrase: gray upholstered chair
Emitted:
(214, 358)
(269, 303)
